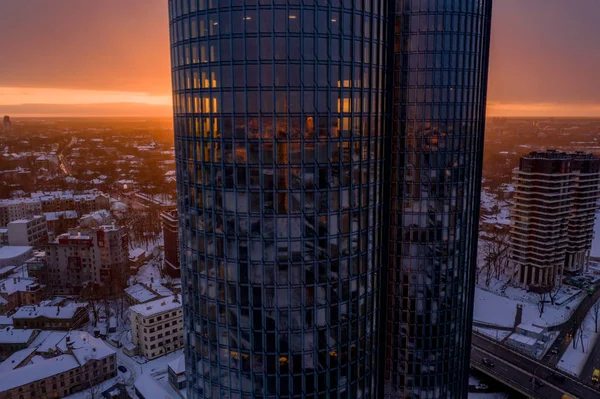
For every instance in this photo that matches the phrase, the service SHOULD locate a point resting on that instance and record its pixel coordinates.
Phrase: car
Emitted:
(488, 362)
(557, 377)
(122, 369)
(481, 387)
(554, 351)
(537, 382)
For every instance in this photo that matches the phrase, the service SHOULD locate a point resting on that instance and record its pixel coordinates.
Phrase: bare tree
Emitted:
(580, 336)
(90, 293)
(596, 315)
(495, 257)
(553, 293)
(94, 392)
(542, 296)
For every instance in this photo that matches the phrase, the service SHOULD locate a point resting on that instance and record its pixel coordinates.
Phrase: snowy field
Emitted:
(498, 335)
(574, 359)
(505, 310)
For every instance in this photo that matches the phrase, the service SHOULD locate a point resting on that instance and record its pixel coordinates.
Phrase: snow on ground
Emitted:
(505, 310)
(574, 359)
(493, 333)
(481, 395)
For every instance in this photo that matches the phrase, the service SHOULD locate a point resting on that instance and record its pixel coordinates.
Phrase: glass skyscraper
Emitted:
(329, 164)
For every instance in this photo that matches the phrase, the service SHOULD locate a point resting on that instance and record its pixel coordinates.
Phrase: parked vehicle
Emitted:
(122, 369)
(488, 362)
(596, 376)
(481, 387)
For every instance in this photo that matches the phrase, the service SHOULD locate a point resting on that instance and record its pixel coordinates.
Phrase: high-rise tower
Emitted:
(6, 124)
(328, 158)
(440, 63)
(552, 217)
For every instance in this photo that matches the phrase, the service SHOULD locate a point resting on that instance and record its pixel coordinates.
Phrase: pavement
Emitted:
(517, 370)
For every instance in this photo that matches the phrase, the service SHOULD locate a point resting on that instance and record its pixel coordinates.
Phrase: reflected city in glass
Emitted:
(327, 243)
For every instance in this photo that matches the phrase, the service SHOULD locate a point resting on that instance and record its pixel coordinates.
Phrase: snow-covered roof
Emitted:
(161, 290)
(522, 339)
(85, 347)
(7, 269)
(530, 328)
(48, 341)
(51, 216)
(158, 306)
(177, 365)
(11, 285)
(140, 293)
(49, 312)
(13, 251)
(136, 253)
(10, 335)
(150, 388)
(6, 320)
(26, 220)
(15, 359)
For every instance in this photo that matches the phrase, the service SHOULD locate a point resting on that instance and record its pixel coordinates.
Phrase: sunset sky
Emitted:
(86, 57)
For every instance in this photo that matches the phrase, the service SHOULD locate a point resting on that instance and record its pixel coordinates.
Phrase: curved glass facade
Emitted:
(279, 120)
(329, 209)
(440, 84)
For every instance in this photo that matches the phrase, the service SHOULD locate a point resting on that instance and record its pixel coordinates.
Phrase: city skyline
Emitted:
(542, 59)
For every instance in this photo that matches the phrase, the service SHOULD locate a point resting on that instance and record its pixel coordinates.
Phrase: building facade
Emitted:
(32, 232)
(552, 217)
(79, 362)
(157, 327)
(99, 256)
(329, 169)
(170, 225)
(15, 209)
(64, 318)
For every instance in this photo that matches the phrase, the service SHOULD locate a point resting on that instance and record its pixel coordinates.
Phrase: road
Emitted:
(520, 368)
(513, 376)
(573, 324)
(592, 363)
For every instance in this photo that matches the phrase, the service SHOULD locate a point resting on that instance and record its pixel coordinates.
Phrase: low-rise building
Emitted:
(14, 255)
(31, 232)
(13, 340)
(61, 221)
(157, 326)
(65, 318)
(139, 293)
(524, 343)
(19, 291)
(14, 209)
(147, 387)
(36, 267)
(176, 370)
(3, 236)
(81, 361)
(529, 330)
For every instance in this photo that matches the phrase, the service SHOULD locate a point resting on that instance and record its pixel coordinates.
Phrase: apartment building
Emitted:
(65, 318)
(156, 327)
(79, 362)
(552, 217)
(15, 209)
(98, 255)
(31, 232)
(20, 291)
(13, 340)
(170, 224)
